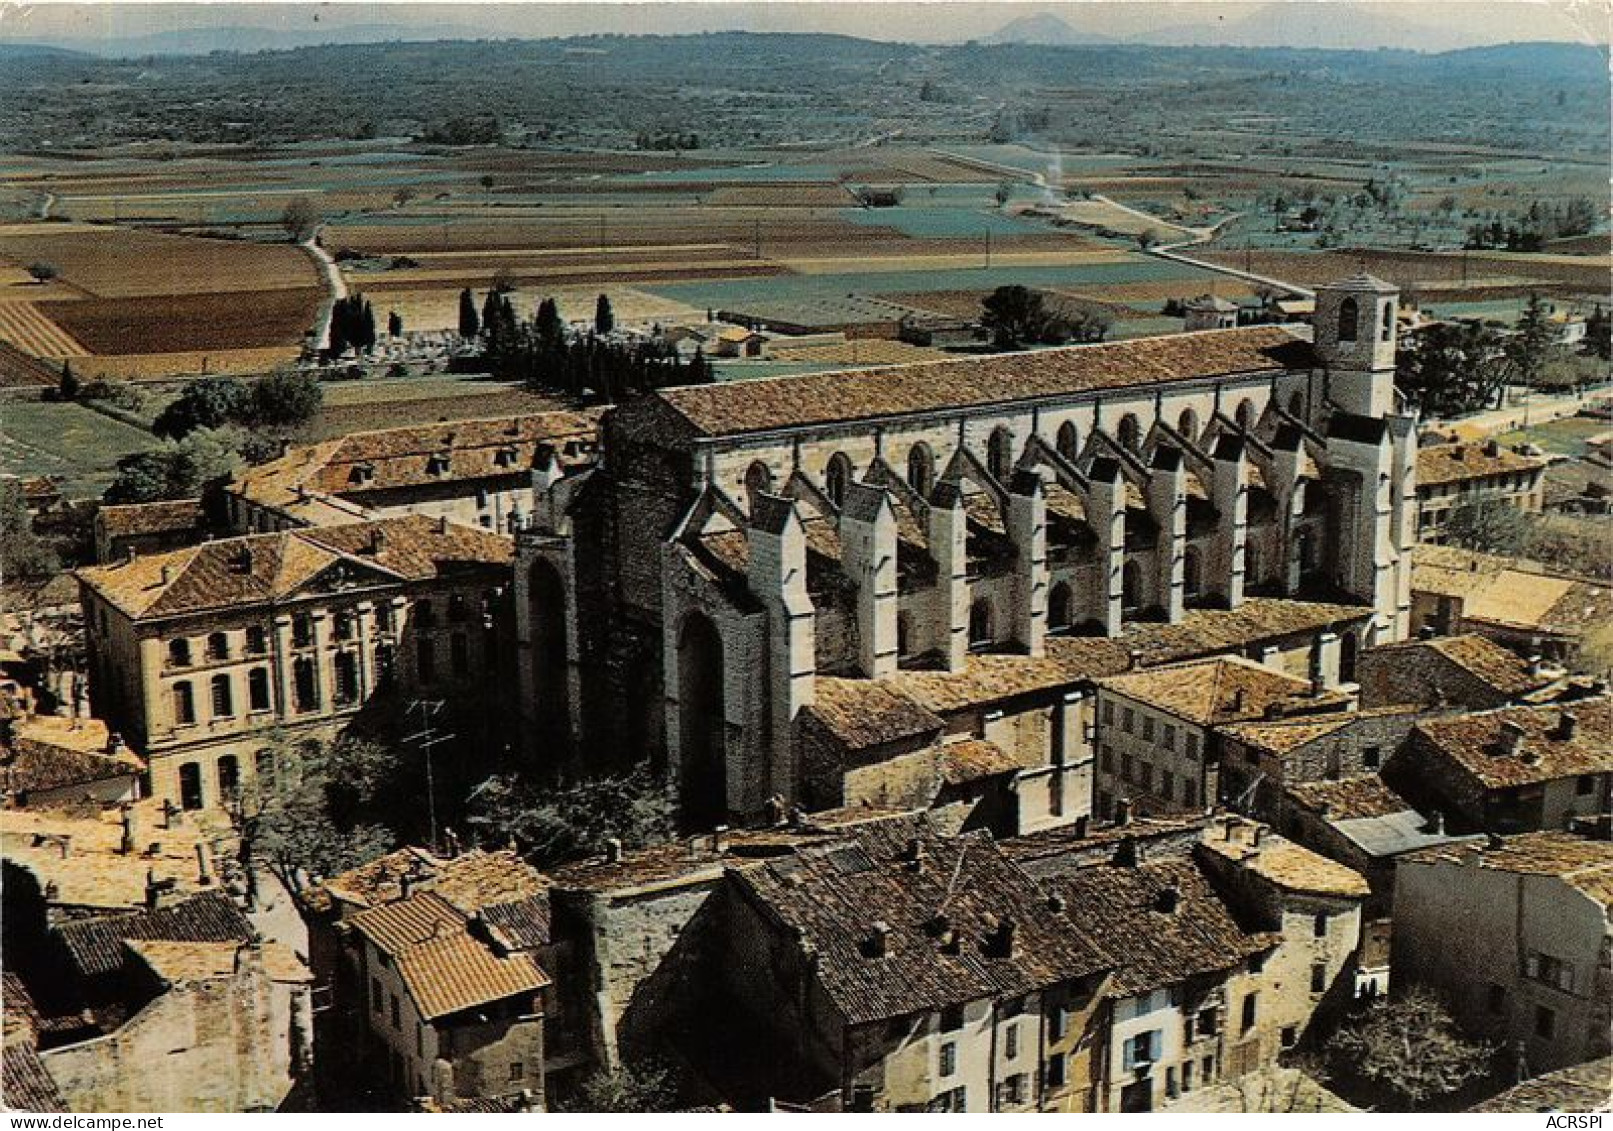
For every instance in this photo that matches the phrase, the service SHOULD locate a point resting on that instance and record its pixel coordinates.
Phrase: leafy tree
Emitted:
(1599, 334)
(1014, 314)
(323, 813)
(1005, 192)
(1451, 369)
(1410, 1047)
(285, 399)
(641, 1087)
(22, 552)
(176, 470)
(68, 388)
(604, 317)
(394, 325)
(210, 402)
(43, 272)
(1532, 342)
(301, 219)
(554, 824)
(1491, 526)
(470, 324)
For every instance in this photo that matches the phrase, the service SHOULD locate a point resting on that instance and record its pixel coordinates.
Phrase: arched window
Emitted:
(184, 703)
(229, 776)
(179, 653)
(223, 697)
(218, 646)
(1131, 586)
(1386, 331)
(1192, 576)
(1296, 406)
(1129, 433)
(1251, 564)
(1188, 425)
(1349, 315)
(1058, 608)
(1000, 453)
(257, 641)
(257, 689)
(921, 469)
(1246, 414)
(758, 480)
(702, 723)
(904, 635)
(981, 630)
(1068, 442)
(835, 478)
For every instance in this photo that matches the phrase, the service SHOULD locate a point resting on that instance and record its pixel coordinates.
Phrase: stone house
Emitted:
(1159, 734)
(197, 655)
(148, 528)
(477, 473)
(449, 983)
(1514, 936)
(189, 987)
(1468, 671)
(1450, 476)
(897, 972)
(1515, 769)
(26, 1084)
(737, 541)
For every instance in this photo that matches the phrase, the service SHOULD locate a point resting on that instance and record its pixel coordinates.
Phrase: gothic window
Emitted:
(835, 478)
(1131, 586)
(1188, 425)
(1191, 574)
(1129, 433)
(980, 625)
(1068, 442)
(1000, 453)
(921, 469)
(1349, 315)
(1296, 406)
(1246, 414)
(1058, 607)
(1386, 331)
(758, 480)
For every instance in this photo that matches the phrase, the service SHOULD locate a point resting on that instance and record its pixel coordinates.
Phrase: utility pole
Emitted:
(427, 738)
(988, 249)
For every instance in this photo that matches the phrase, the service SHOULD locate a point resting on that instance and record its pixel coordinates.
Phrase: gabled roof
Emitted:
(261, 568)
(95, 946)
(1584, 863)
(861, 713)
(1221, 690)
(1439, 464)
(1361, 281)
(172, 516)
(939, 914)
(1281, 862)
(1283, 736)
(1498, 668)
(1473, 745)
(737, 407)
(1579, 1088)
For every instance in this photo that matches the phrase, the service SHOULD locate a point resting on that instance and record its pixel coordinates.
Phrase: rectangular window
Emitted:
(1168, 737)
(1058, 1023)
(257, 641)
(1011, 1042)
(1207, 1065)
(1187, 1075)
(1107, 758)
(257, 689)
(426, 659)
(223, 698)
(949, 1059)
(1170, 1082)
(1208, 1020)
(1290, 1036)
(1545, 1023)
(1496, 998)
(1190, 744)
(1167, 784)
(1250, 1005)
(517, 1072)
(397, 1022)
(1371, 758)
(1109, 712)
(955, 1100)
(376, 996)
(1055, 1070)
(1318, 978)
(1148, 775)
(1141, 1049)
(1014, 1089)
(1319, 925)
(1553, 972)
(1148, 728)
(1585, 785)
(1128, 719)
(302, 630)
(184, 703)
(1125, 767)
(1257, 963)
(459, 654)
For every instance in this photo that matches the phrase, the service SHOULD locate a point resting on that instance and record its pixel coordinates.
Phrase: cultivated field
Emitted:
(67, 440)
(179, 323)
(25, 326)
(367, 405)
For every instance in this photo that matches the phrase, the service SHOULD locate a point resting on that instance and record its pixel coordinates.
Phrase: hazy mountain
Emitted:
(1330, 24)
(202, 40)
(1044, 29)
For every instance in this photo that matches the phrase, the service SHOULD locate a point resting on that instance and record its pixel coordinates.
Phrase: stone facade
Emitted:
(747, 539)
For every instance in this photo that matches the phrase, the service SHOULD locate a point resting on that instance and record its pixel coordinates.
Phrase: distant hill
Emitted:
(1044, 29)
(204, 41)
(29, 51)
(1338, 25)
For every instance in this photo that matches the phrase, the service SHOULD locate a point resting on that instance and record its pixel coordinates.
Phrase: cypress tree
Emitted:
(604, 317)
(469, 324)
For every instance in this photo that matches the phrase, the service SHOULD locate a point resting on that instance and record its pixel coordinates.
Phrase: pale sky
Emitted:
(1426, 24)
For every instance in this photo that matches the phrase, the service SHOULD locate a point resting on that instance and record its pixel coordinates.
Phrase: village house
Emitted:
(1521, 605)
(1232, 941)
(901, 971)
(1158, 737)
(148, 528)
(437, 971)
(737, 542)
(1583, 1087)
(199, 656)
(1454, 475)
(1515, 936)
(189, 987)
(478, 473)
(1460, 671)
(1515, 769)
(58, 760)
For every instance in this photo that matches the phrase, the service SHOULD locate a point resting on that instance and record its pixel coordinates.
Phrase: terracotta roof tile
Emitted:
(1440, 464)
(830, 899)
(973, 759)
(1283, 736)
(1349, 799)
(95, 946)
(1511, 592)
(1287, 865)
(1222, 690)
(1583, 863)
(1501, 669)
(129, 519)
(1472, 744)
(1580, 1088)
(27, 1085)
(736, 407)
(861, 713)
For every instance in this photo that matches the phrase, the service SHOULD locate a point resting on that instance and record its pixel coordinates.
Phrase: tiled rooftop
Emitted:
(96, 946)
(268, 567)
(50, 752)
(1222, 690)
(1441, 464)
(1511, 593)
(173, 516)
(1281, 862)
(1498, 668)
(1580, 1088)
(1581, 862)
(1283, 736)
(738, 407)
(1474, 744)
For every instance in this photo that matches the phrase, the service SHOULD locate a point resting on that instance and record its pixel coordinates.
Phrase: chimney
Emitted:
(940, 923)
(442, 524)
(1122, 811)
(1000, 938)
(128, 555)
(1426, 632)
(878, 941)
(1511, 741)
(202, 876)
(377, 540)
(114, 744)
(1126, 853)
(913, 856)
(1166, 900)
(1237, 701)
(719, 839)
(167, 575)
(1055, 902)
(1567, 726)
(1083, 824)
(1436, 824)
(613, 851)
(1255, 835)
(1494, 841)
(1492, 448)
(126, 841)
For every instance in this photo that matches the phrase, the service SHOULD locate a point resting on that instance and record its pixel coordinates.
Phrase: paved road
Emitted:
(335, 285)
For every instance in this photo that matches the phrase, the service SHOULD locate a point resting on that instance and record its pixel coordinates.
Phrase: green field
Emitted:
(77, 444)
